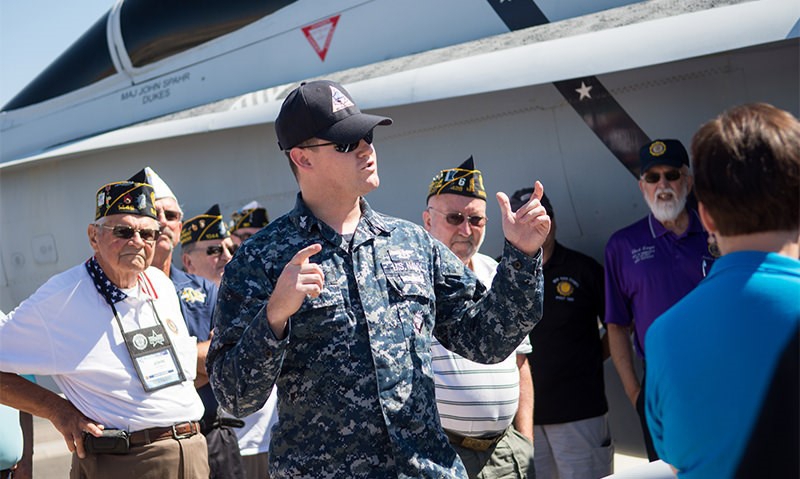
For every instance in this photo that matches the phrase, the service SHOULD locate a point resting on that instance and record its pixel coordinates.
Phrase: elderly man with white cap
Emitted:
(110, 333)
(197, 296)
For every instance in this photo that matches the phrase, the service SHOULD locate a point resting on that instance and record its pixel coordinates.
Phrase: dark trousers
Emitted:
(648, 440)
(224, 458)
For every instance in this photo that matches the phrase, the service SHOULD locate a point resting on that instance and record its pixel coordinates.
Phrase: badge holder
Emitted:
(153, 356)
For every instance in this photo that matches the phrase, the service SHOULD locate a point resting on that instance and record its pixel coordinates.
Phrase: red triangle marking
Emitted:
(319, 35)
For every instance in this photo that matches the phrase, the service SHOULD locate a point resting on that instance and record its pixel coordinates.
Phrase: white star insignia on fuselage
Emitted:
(584, 91)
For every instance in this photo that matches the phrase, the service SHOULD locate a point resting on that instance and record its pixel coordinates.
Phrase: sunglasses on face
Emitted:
(456, 219)
(216, 250)
(344, 147)
(655, 177)
(127, 232)
(170, 215)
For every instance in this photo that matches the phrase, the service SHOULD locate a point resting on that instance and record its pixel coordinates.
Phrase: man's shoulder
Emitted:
(635, 232)
(66, 278)
(404, 231)
(280, 236)
(182, 279)
(575, 256)
(160, 281)
(638, 227)
(395, 223)
(666, 325)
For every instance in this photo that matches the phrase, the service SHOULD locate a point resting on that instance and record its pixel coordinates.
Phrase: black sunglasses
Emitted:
(170, 215)
(343, 147)
(216, 250)
(456, 219)
(127, 232)
(655, 177)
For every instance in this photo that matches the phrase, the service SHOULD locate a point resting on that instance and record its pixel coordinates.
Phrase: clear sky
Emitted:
(33, 33)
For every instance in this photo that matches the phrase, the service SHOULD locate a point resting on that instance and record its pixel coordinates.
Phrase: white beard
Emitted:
(666, 210)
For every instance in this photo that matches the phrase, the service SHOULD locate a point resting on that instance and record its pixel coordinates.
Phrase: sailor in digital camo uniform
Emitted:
(338, 303)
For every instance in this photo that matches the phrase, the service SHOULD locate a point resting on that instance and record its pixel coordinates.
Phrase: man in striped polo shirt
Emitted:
(486, 409)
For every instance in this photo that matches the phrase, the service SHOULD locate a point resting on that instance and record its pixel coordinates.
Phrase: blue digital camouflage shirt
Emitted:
(355, 386)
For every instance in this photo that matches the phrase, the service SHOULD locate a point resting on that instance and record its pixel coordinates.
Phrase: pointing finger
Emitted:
(302, 256)
(538, 190)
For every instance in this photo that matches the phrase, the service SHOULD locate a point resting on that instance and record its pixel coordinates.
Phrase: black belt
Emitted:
(474, 443)
(222, 422)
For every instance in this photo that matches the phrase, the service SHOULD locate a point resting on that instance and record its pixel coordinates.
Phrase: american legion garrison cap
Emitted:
(251, 215)
(149, 176)
(125, 198)
(464, 180)
(207, 226)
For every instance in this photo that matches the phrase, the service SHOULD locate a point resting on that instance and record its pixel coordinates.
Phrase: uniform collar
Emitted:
(370, 225)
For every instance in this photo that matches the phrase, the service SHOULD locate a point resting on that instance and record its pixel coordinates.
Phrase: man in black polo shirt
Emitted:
(571, 436)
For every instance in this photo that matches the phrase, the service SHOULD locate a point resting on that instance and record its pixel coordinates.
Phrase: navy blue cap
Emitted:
(662, 152)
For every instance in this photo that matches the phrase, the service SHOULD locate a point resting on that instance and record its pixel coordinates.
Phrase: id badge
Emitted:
(154, 358)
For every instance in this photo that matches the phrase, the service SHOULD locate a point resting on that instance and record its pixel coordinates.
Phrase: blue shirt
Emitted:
(355, 384)
(648, 269)
(197, 297)
(10, 434)
(711, 358)
(11, 437)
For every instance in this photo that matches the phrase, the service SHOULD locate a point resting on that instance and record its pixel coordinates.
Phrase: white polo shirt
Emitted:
(476, 399)
(67, 330)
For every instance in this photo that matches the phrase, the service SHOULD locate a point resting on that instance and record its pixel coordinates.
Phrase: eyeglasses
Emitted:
(456, 219)
(655, 177)
(216, 250)
(343, 147)
(170, 215)
(127, 232)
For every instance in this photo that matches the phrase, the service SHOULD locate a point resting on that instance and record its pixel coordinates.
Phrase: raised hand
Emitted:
(526, 228)
(299, 278)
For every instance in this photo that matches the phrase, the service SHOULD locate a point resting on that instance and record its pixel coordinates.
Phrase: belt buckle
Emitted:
(176, 435)
(476, 444)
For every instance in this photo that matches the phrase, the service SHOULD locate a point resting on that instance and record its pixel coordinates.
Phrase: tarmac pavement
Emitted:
(51, 458)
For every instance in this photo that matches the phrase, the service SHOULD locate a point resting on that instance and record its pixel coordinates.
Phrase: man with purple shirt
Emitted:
(652, 263)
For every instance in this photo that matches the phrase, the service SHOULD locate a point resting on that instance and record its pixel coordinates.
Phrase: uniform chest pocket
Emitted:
(407, 279)
(411, 303)
(322, 316)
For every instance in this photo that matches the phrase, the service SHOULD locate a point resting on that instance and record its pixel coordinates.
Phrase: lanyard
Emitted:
(151, 351)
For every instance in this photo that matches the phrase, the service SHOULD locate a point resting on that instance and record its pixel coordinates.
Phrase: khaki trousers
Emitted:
(165, 459)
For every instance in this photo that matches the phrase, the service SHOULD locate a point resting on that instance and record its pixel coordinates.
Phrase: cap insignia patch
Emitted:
(658, 148)
(339, 100)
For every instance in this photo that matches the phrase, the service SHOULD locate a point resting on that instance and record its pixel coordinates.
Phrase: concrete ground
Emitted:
(51, 459)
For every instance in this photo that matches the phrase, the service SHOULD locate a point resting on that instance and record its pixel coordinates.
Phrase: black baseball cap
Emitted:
(662, 152)
(325, 110)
